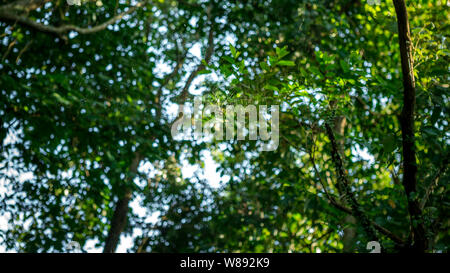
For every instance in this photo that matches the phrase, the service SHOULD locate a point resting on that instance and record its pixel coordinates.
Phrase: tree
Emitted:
(87, 93)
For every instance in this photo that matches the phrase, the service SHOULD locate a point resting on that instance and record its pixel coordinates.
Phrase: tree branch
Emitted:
(208, 54)
(434, 182)
(378, 227)
(407, 126)
(343, 185)
(9, 14)
(201, 66)
(179, 64)
(342, 207)
(24, 5)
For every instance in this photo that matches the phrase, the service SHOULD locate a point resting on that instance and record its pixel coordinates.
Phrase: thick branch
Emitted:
(407, 125)
(345, 209)
(24, 5)
(9, 14)
(344, 187)
(378, 227)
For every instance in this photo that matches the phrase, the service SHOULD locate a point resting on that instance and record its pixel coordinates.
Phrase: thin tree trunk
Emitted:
(344, 187)
(349, 237)
(119, 219)
(419, 242)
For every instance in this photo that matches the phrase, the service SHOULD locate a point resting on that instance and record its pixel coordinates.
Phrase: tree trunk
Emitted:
(119, 219)
(349, 237)
(118, 223)
(419, 242)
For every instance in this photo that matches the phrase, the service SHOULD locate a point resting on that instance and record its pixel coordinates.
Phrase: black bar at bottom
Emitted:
(198, 262)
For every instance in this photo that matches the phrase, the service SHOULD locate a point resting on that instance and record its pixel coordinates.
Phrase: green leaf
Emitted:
(435, 115)
(61, 99)
(229, 59)
(271, 87)
(431, 131)
(281, 52)
(204, 71)
(345, 66)
(389, 143)
(286, 63)
(233, 51)
(264, 66)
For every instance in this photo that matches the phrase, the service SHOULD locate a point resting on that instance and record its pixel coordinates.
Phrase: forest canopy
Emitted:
(91, 90)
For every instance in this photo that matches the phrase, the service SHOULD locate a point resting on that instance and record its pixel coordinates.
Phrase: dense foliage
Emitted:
(87, 102)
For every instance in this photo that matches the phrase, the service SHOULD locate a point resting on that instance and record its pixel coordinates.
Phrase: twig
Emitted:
(433, 184)
(25, 48)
